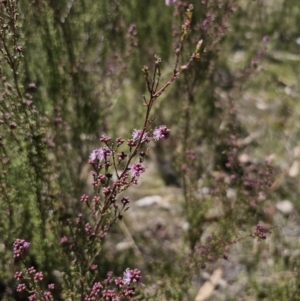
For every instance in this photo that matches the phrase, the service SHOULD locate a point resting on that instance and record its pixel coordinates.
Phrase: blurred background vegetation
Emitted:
(77, 75)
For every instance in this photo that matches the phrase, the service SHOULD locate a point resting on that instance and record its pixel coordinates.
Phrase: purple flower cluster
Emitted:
(106, 291)
(103, 153)
(63, 239)
(38, 276)
(84, 198)
(110, 295)
(51, 286)
(169, 2)
(162, 132)
(132, 276)
(260, 232)
(46, 296)
(137, 169)
(100, 154)
(32, 297)
(136, 135)
(18, 275)
(21, 287)
(20, 245)
(31, 270)
(97, 287)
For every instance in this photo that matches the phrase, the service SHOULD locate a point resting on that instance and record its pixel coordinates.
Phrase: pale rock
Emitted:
(296, 152)
(231, 193)
(149, 201)
(124, 245)
(288, 91)
(261, 105)
(271, 158)
(294, 169)
(185, 226)
(205, 191)
(244, 158)
(285, 207)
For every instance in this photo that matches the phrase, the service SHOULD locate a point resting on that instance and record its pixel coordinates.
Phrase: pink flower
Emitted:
(38, 276)
(136, 134)
(47, 295)
(51, 286)
(162, 132)
(132, 276)
(63, 239)
(169, 2)
(18, 275)
(21, 287)
(32, 297)
(20, 245)
(127, 276)
(31, 270)
(100, 154)
(137, 169)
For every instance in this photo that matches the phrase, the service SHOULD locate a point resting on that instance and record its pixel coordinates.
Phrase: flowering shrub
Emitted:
(70, 70)
(115, 169)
